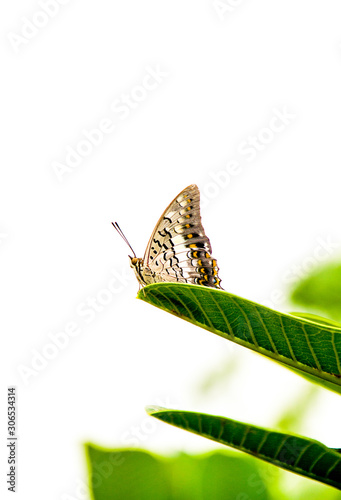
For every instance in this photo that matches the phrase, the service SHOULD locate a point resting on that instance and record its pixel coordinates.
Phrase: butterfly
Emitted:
(178, 250)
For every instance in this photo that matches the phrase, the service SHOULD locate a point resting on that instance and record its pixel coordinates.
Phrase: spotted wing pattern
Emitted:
(179, 250)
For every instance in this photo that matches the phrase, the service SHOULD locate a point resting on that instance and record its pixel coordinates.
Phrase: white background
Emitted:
(225, 75)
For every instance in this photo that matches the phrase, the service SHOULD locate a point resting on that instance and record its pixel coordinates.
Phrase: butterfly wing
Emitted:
(178, 249)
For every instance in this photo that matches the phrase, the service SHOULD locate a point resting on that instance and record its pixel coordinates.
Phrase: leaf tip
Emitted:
(154, 409)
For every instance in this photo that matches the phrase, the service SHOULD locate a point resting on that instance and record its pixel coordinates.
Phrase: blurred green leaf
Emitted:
(316, 491)
(295, 412)
(321, 290)
(218, 377)
(312, 349)
(301, 455)
(317, 319)
(132, 474)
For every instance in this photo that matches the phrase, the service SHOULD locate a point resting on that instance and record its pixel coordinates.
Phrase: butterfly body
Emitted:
(178, 250)
(144, 275)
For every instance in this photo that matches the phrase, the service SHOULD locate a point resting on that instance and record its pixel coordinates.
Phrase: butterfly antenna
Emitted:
(120, 232)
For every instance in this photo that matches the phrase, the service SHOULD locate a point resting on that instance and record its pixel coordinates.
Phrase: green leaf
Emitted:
(310, 348)
(135, 474)
(301, 455)
(321, 290)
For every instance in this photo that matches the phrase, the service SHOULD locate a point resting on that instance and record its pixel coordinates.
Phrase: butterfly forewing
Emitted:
(179, 249)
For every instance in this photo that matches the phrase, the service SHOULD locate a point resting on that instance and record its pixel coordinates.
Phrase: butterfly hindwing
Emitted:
(179, 249)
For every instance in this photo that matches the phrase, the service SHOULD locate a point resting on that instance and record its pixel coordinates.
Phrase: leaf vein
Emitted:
(267, 332)
(337, 357)
(311, 348)
(287, 340)
(247, 322)
(227, 323)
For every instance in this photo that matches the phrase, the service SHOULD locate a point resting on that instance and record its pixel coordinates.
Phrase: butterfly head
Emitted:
(136, 263)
